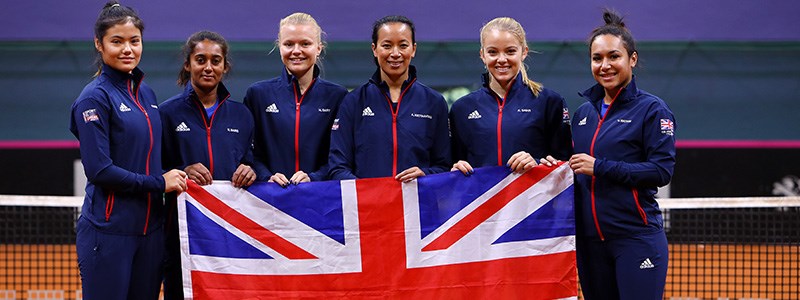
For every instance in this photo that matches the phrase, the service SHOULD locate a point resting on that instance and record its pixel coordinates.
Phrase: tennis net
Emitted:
(720, 248)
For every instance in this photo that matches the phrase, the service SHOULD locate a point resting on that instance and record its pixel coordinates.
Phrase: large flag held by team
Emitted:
(493, 234)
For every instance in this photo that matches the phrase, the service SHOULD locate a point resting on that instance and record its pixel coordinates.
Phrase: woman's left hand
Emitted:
(409, 174)
(299, 177)
(521, 162)
(582, 163)
(244, 176)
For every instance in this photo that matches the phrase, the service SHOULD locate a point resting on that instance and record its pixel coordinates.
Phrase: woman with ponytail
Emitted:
(512, 119)
(120, 239)
(625, 149)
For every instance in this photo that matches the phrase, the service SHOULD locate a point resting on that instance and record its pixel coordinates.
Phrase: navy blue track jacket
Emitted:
(293, 130)
(634, 147)
(221, 143)
(487, 129)
(369, 139)
(116, 120)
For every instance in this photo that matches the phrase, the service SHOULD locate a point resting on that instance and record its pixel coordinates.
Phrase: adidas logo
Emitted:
(474, 115)
(367, 112)
(646, 264)
(272, 108)
(182, 127)
(123, 107)
(582, 122)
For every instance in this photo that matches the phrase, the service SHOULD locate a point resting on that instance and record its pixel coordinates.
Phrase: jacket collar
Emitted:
(596, 93)
(190, 95)
(289, 79)
(121, 78)
(376, 78)
(517, 85)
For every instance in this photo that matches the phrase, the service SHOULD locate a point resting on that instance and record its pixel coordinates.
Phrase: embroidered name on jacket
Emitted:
(324, 110)
(423, 116)
(524, 110)
(234, 130)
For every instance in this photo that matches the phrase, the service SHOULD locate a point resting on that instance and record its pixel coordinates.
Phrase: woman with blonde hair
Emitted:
(294, 112)
(511, 119)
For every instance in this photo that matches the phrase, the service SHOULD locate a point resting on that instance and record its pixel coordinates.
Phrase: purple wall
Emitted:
(437, 20)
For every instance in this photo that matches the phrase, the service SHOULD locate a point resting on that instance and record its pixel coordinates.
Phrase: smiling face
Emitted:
(300, 47)
(206, 65)
(502, 53)
(121, 47)
(612, 67)
(394, 50)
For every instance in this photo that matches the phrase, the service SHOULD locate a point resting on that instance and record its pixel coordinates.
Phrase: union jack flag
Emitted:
(493, 234)
(667, 125)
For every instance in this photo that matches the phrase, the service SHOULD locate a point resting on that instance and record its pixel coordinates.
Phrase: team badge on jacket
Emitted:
(667, 127)
(90, 115)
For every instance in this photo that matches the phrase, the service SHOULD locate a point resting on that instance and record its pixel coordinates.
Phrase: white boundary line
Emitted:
(666, 203)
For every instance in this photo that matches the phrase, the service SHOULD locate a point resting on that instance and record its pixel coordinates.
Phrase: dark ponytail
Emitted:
(112, 14)
(616, 27)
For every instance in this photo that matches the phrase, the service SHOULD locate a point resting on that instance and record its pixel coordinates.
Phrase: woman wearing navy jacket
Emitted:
(625, 145)
(120, 241)
(392, 125)
(205, 133)
(294, 112)
(511, 119)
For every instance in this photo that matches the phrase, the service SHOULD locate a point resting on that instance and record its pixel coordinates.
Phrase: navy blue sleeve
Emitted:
(90, 121)
(659, 146)
(458, 147)
(558, 129)
(259, 145)
(322, 173)
(247, 158)
(170, 151)
(341, 159)
(440, 154)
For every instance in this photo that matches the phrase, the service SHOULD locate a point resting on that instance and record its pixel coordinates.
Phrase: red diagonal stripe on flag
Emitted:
(487, 209)
(246, 225)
